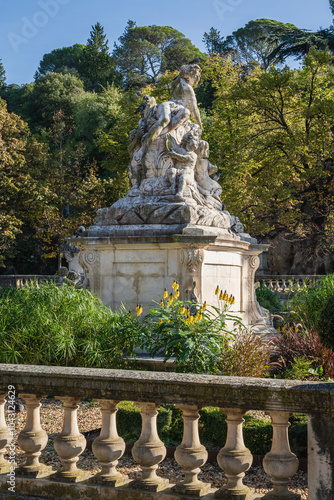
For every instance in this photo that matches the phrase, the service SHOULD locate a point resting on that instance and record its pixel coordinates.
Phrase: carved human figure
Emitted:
(182, 89)
(185, 158)
(163, 118)
(204, 169)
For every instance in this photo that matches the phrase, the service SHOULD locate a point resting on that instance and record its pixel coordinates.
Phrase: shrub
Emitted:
(247, 356)
(52, 325)
(268, 299)
(190, 332)
(299, 345)
(326, 323)
(311, 303)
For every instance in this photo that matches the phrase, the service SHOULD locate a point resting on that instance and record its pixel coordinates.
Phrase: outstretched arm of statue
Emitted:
(181, 158)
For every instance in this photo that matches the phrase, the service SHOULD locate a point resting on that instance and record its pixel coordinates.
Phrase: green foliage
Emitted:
(62, 326)
(52, 93)
(2, 75)
(273, 143)
(254, 43)
(326, 323)
(268, 299)
(192, 334)
(310, 303)
(300, 353)
(22, 162)
(247, 356)
(146, 52)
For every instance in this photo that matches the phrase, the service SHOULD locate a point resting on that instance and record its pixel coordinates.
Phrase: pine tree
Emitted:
(2, 75)
(97, 39)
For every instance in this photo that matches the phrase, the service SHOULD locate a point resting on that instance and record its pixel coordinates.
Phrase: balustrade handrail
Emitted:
(292, 277)
(190, 392)
(166, 387)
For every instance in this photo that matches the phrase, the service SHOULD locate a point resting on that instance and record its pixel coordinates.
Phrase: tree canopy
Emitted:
(145, 52)
(2, 75)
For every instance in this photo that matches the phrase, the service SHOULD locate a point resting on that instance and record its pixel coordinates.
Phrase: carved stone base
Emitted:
(145, 484)
(41, 471)
(80, 475)
(136, 268)
(4, 469)
(198, 489)
(115, 481)
(272, 496)
(244, 494)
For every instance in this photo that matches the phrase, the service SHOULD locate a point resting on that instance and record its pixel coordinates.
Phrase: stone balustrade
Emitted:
(283, 284)
(234, 395)
(18, 280)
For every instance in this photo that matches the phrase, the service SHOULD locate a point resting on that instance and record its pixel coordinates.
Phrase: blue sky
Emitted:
(31, 28)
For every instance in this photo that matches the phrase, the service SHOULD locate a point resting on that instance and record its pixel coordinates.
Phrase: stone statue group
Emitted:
(169, 171)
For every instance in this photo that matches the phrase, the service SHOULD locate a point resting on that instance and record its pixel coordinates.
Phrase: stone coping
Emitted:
(163, 387)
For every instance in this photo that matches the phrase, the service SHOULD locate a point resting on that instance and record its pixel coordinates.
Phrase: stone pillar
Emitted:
(33, 439)
(70, 443)
(235, 459)
(109, 446)
(4, 436)
(149, 450)
(280, 464)
(320, 436)
(191, 454)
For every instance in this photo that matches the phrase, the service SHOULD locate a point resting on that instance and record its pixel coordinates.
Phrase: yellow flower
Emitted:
(162, 303)
(170, 298)
(225, 296)
(165, 295)
(191, 319)
(221, 295)
(187, 321)
(160, 321)
(182, 310)
(177, 294)
(139, 309)
(204, 306)
(177, 286)
(168, 321)
(200, 317)
(217, 290)
(200, 311)
(230, 299)
(233, 300)
(174, 284)
(129, 314)
(187, 312)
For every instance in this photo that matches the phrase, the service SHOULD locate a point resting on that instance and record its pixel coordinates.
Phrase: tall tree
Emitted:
(99, 66)
(213, 41)
(2, 75)
(272, 135)
(298, 42)
(251, 45)
(92, 62)
(146, 52)
(22, 168)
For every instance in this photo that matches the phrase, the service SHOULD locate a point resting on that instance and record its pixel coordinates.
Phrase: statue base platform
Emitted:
(134, 264)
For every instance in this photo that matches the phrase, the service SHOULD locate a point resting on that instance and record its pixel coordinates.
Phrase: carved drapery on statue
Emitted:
(169, 170)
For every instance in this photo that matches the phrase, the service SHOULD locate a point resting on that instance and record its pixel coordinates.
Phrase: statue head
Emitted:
(191, 73)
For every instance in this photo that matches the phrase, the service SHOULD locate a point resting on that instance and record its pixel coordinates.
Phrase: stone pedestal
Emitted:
(134, 264)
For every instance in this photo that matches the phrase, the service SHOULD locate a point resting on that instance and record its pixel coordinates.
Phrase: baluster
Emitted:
(70, 443)
(33, 439)
(270, 285)
(191, 454)
(5, 438)
(149, 450)
(284, 285)
(235, 459)
(109, 446)
(280, 464)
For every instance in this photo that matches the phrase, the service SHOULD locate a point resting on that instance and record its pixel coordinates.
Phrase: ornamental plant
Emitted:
(193, 334)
